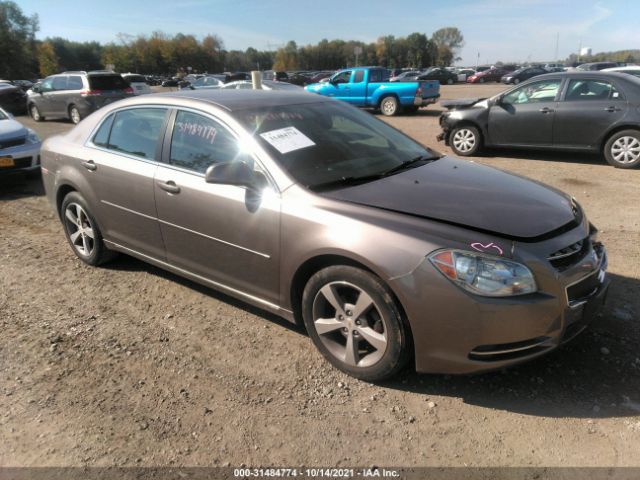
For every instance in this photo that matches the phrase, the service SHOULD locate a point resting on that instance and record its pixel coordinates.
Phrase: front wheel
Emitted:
(354, 321)
(516, 81)
(35, 113)
(389, 106)
(82, 231)
(465, 141)
(622, 150)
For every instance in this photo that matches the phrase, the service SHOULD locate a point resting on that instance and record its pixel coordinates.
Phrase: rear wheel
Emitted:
(450, 81)
(389, 106)
(465, 140)
(35, 113)
(354, 321)
(622, 150)
(82, 231)
(481, 80)
(74, 114)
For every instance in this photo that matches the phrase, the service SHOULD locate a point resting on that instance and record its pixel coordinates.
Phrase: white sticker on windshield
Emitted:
(287, 139)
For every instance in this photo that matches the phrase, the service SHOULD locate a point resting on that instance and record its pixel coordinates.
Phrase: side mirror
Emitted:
(236, 173)
(36, 88)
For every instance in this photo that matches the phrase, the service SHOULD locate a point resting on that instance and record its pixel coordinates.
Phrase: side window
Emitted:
(101, 138)
(59, 83)
(375, 76)
(544, 91)
(74, 82)
(586, 90)
(342, 77)
(136, 131)
(358, 76)
(198, 142)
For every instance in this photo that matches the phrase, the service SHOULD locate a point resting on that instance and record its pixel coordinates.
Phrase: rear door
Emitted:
(121, 169)
(525, 116)
(224, 233)
(587, 110)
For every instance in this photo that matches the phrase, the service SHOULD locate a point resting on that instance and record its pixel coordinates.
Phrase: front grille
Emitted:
(569, 255)
(14, 142)
(509, 351)
(584, 288)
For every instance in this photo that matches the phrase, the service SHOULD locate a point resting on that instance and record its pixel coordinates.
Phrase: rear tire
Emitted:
(82, 232)
(516, 81)
(465, 141)
(353, 319)
(622, 150)
(481, 80)
(450, 81)
(74, 115)
(389, 106)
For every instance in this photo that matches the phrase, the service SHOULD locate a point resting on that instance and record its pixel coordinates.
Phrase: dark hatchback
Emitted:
(522, 74)
(588, 111)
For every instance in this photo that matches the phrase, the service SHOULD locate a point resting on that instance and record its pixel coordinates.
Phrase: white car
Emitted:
(266, 85)
(19, 146)
(630, 69)
(137, 82)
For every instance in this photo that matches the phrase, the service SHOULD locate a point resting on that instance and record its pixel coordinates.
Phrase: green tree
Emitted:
(47, 59)
(449, 41)
(17, 42)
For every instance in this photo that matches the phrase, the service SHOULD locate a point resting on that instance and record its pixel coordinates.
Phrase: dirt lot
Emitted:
(129, 365)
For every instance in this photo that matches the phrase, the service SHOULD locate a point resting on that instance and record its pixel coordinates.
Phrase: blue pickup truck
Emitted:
(370, 87)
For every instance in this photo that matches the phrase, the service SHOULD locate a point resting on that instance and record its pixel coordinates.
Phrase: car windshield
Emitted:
(330, 144)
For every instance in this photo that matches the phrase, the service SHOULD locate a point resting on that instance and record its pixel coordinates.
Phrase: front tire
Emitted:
(516, 81)
(82, 231)
(622, 150)
(35, 113)
(354, 321)
(389, 106)
(465, 141)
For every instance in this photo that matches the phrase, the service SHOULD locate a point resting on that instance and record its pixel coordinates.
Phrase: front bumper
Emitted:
(459, 333)
(25, 158)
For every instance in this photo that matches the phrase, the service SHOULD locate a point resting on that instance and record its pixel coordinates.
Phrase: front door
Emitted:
(525, 116)
(227, 234)
(121, 170)
(589, 107)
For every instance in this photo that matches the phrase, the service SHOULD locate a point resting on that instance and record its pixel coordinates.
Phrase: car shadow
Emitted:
(546, 156)
(597, 375)
(19, 185)
(126, 263)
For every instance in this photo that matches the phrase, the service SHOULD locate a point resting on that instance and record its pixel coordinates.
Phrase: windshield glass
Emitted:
(326, 143)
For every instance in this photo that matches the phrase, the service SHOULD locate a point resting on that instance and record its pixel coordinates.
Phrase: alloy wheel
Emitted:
(79, 229)
(626, 150)
(35, 113)
(75, 115)
(464, 140)
(349, 324)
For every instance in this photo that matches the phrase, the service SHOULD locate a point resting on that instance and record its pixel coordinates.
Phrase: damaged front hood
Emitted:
(467, 194)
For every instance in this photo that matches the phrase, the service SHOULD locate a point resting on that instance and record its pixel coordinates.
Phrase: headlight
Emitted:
(32, 137)
(484, 274)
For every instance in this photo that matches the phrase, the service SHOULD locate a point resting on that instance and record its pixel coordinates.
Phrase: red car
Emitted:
(491, 75)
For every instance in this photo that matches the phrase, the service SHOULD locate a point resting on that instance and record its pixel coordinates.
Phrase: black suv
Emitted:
(74, 95)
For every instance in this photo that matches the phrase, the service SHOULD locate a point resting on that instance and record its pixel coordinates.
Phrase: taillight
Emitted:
(88, 93)
(128, 90)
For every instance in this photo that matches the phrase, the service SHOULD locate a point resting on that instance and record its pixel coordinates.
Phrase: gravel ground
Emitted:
(128, 365)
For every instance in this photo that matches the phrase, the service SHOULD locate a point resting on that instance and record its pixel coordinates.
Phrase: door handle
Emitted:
(612, 109)
(169, 186)
(90, 165)
(546, 110)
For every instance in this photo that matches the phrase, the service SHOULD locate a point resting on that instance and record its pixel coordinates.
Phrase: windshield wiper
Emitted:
(344, 182)
(407, 164)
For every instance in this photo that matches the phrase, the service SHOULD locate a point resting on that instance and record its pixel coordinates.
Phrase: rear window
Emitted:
(107, 82)
(135, 79)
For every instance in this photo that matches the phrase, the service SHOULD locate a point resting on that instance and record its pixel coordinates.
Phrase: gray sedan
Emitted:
(320, 213)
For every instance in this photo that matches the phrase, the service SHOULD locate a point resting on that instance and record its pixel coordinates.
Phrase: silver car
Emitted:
(19, 146)
(323, 214)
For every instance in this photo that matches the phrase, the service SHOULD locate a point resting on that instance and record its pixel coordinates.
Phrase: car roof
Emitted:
(234, 100)
(584, 74)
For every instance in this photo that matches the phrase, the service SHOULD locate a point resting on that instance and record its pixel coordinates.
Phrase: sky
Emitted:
(496, 30)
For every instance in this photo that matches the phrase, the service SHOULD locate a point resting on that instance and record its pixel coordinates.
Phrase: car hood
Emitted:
(460, 103)
(471, 195)
(10, 129)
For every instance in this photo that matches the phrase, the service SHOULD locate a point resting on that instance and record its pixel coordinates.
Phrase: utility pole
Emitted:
(477, 61)
(555, 58)
(579, 50)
